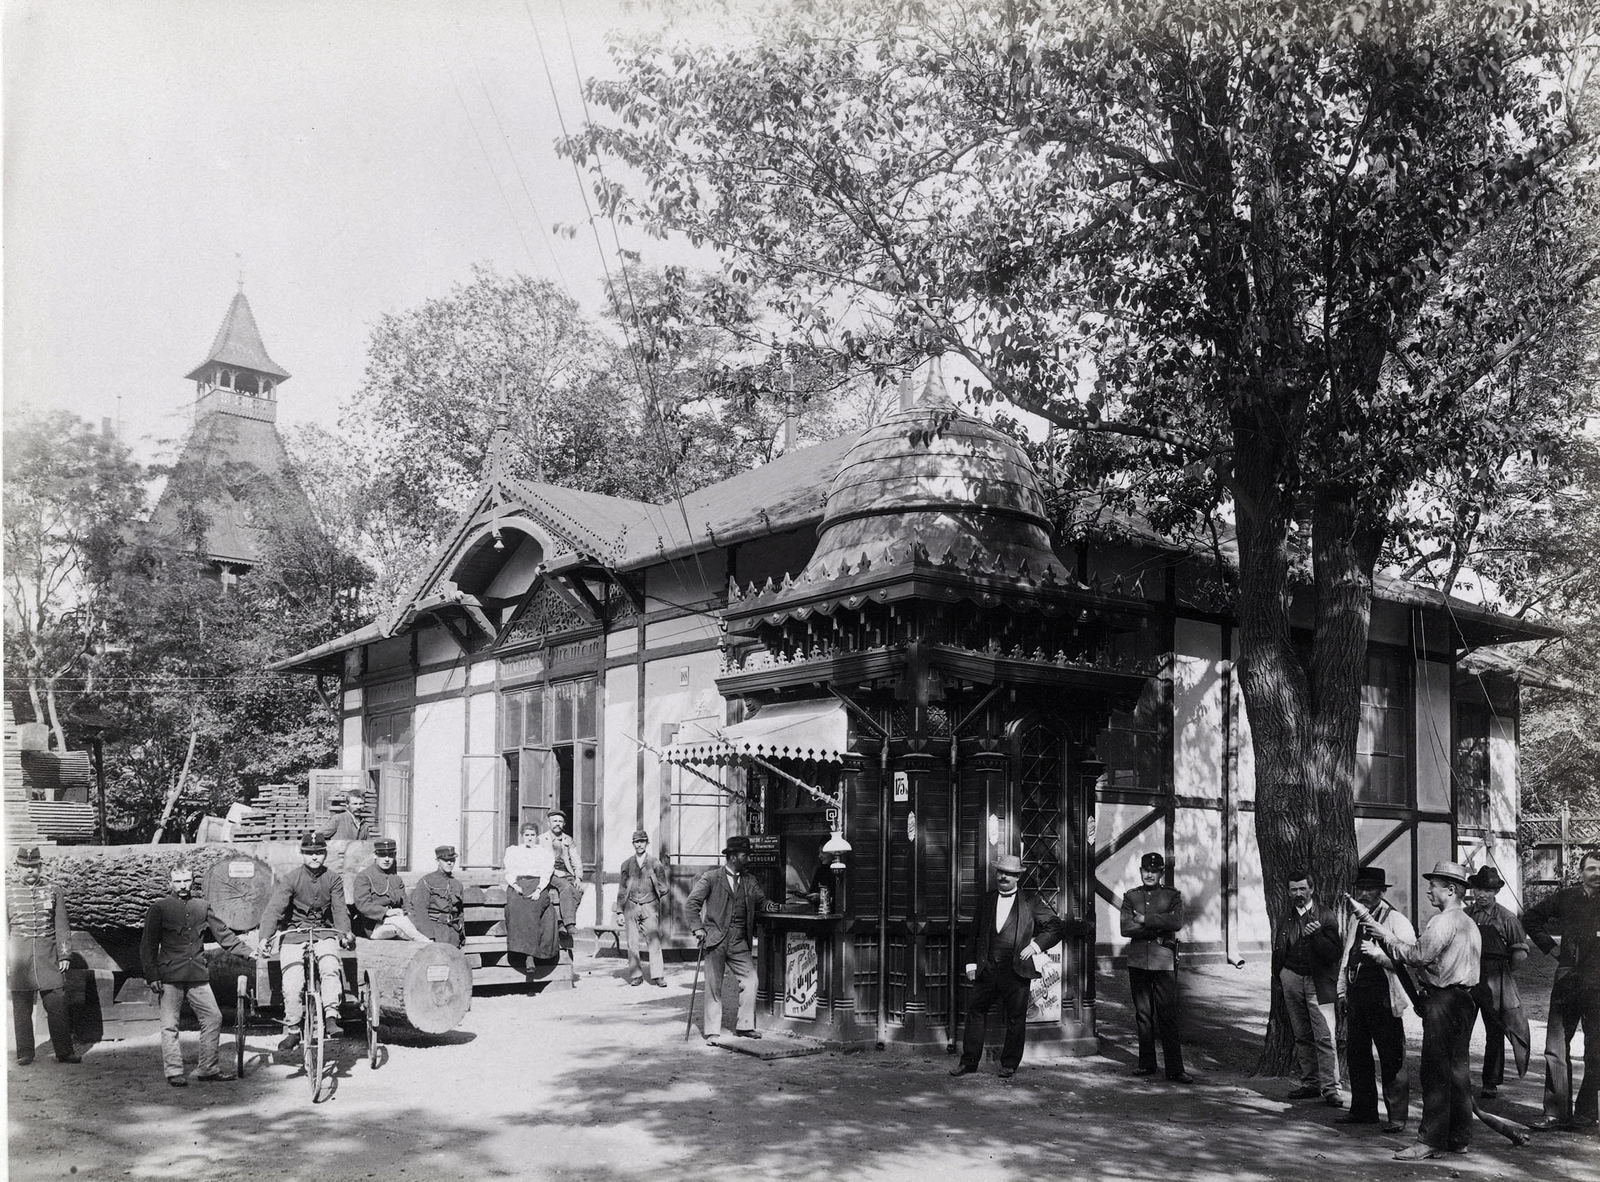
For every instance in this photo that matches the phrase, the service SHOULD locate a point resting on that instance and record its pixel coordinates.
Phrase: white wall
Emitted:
(438, 737)
(1197, 749)
(1433, 736)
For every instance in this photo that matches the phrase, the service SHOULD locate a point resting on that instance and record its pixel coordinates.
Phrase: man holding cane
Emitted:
(722, 911)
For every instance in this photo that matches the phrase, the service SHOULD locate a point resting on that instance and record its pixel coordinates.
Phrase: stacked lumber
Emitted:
(280, 812)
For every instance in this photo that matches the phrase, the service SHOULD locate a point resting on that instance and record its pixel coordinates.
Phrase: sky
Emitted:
(348, 158)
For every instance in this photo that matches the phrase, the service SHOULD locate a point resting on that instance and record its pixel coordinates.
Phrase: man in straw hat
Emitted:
(640, 894)
(37, 955)
(1375, 998)
(1505, 947)
(1011, 930)
(1447, 958)
(722, 911)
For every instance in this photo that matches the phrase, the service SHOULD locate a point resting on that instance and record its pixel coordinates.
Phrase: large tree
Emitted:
(1247, 250)
(71, 492)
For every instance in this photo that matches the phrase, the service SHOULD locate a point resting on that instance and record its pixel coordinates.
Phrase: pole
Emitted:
(694, 989)
(100, 785)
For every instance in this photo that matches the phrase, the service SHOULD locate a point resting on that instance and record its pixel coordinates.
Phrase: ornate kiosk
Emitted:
(926, 695)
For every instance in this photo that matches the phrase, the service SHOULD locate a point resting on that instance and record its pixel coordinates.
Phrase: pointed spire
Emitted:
(238, 344)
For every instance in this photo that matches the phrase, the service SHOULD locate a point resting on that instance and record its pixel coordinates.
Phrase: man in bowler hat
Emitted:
(1505, 947)
(1375, 998)
(1010, 930)
(641, 891)
(1152, 915)
(722, 911)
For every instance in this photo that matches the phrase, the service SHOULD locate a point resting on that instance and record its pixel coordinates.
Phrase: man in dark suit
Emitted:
(1305, 961)
(1152, 915)
(1010, 930)
(722, 912)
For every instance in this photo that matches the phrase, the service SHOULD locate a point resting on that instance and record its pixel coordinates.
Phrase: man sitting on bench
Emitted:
(380, 912)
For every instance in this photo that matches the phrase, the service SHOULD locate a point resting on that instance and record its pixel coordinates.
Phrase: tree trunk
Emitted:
(426, 986)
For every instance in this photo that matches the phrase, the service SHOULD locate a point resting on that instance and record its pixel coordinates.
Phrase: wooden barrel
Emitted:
(425, 986)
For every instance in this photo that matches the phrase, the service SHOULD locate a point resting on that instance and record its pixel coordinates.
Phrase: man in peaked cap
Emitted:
(380, 907)
(1152, 915)
(37, 955)
(1505, 947)
(438, 901)
(1447, 958)
(308, 898)
(640, 895)
(723, 908)
(1375, 998)
(1010, 930)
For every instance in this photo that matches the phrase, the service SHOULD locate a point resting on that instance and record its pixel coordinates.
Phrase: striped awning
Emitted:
(816, 731)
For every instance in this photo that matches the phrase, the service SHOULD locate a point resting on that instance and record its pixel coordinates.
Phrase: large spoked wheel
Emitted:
(313, 1044)
(369, 1011)
(241, 1018)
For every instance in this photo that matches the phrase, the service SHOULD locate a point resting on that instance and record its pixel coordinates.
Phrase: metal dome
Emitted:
(932, 475)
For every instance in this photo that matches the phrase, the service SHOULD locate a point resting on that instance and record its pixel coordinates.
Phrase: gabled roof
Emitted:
(238, 343)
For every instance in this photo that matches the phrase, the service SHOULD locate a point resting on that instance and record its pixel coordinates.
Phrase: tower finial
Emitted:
(238, 257)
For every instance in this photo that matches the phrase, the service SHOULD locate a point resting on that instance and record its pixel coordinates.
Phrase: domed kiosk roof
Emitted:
(933, 476)
(930, 503)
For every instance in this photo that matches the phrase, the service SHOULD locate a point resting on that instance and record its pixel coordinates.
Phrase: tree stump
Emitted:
(425, 986)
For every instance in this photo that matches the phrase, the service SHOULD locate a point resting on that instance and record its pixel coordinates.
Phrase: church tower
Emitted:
(231, 487)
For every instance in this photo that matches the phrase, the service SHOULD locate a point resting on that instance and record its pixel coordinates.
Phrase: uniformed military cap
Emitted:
(640, 835)
(445, 853)
(312, 844)
(28, 855)
(1152, 861)
(384, 846)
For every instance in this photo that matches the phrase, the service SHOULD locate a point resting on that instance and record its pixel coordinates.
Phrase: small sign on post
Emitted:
(902, 786)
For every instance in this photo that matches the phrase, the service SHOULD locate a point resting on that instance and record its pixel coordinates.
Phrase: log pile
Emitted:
(113, 887)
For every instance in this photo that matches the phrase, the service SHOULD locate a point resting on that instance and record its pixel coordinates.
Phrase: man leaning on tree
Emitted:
(1305, 961)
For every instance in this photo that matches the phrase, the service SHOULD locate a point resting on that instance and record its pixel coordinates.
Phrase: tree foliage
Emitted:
(71, 492)
(1280, 265)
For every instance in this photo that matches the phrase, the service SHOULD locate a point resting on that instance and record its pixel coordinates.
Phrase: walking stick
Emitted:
(693, 989)
(1513, 1132)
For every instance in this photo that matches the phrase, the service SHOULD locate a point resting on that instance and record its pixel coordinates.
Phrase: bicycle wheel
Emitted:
(241, 1011)
(369, 1010)
(314, 1046)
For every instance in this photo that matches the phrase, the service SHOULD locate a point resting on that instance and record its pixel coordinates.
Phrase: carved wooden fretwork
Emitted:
(549, 614)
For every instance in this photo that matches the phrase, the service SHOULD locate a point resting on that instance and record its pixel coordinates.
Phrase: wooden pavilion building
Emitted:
(876, 643)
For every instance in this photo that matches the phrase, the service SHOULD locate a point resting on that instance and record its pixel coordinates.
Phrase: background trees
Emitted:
(1286, 266)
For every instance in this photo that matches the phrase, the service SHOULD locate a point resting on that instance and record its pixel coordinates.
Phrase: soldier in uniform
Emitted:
(1152, 915)
(37, 954)
(437, 901)
(172, 953)
(380, 907)
(1505, 947)
(309, 896)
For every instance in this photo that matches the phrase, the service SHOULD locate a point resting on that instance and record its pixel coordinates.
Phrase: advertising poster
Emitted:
(800, 977)
(1044, 992)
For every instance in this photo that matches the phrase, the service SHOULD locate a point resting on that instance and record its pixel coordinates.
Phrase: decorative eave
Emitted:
(915, 574)
(983, 668)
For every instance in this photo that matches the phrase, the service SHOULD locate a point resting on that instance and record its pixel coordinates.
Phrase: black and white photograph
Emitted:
(881, 590)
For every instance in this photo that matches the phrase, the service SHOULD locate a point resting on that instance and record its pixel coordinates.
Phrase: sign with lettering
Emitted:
(766, 852)
(800, 976)
(902, 786)
(241, 869)
(1044, 991)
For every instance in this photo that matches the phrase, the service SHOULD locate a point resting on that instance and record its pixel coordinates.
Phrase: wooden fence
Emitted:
(1551, 847)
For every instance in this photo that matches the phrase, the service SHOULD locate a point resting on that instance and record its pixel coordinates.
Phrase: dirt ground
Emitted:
(598, 1083)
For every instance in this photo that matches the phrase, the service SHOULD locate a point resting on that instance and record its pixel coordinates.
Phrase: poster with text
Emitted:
(1044, 991)
(800, 976)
